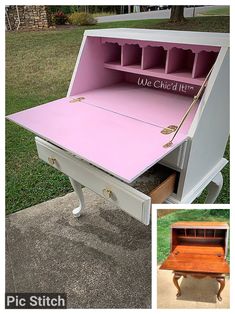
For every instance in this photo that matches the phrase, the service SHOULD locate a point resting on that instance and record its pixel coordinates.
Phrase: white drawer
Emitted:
(128, 198)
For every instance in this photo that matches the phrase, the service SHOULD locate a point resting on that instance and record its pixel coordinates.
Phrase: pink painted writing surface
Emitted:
(120, 145)
(150, 105)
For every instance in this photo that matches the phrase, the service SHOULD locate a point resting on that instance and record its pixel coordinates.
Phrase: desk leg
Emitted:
(176, 277)
(214, 188)
(78, 189)
(221, 281)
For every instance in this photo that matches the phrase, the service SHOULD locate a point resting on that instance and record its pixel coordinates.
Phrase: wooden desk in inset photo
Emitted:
(198, 249)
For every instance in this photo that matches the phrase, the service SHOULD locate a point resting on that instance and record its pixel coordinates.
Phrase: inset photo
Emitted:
(193, 258)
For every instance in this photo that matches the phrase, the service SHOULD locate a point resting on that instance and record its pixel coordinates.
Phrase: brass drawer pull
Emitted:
(51, 160)
(107, 193)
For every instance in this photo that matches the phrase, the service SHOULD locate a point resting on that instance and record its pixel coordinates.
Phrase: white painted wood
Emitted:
(197, 38)
(212, 131)
(127, 198)
(199, 187)
(210, 85)
(76, 66)
(175, 159)
(214, 188)
(78, 189)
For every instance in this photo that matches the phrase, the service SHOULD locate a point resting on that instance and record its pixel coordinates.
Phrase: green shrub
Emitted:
(82, 18)
(59, 18)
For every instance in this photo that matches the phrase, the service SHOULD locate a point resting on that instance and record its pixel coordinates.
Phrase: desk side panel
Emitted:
(89, 72)
(212, 130)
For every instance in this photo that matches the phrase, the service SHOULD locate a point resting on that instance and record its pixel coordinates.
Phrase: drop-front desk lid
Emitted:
(120, 143)
(200, 259)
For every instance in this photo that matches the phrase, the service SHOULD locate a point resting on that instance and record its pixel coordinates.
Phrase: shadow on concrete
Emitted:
(196, 293)
(101, 260)
(191, 290)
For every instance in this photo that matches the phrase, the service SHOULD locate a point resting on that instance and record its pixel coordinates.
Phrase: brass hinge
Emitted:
(169, 144)
(195, 99)
(77, 99)
(169, 129)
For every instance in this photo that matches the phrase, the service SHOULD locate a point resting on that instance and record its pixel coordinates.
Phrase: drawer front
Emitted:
(164, 190)
(175, 159)
(124, 196)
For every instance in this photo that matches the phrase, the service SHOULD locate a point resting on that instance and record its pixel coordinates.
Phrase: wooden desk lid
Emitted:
(201, 260)
(195, 262)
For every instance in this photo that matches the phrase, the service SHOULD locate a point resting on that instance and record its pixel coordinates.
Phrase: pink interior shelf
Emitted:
(178, 76)
(117, 130)
(173, 63)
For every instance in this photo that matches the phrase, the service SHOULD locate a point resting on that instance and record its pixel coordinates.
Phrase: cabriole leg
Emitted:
(221, 281)
(214, 188)
(176, 277)
(78, 189)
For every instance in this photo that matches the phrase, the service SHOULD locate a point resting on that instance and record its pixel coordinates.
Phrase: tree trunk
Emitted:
(177, 14)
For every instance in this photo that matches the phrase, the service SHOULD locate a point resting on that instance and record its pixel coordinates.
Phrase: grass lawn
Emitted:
(223, 11)
(39, 67)
(163, 226)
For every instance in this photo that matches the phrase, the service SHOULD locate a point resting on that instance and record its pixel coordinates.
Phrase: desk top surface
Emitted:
(198, 224)
(121, 145)
(198, 38)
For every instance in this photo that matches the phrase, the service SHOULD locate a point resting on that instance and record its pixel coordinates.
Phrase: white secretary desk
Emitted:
(128, 86)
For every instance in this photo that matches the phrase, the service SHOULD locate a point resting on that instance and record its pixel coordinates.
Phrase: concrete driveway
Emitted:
(160, 14)
(101, 260)
(196, 293)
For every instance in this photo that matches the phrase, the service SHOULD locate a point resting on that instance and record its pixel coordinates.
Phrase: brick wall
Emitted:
(31, 17)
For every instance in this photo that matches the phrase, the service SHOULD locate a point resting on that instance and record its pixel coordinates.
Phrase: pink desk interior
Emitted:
(152, 106)
(115, 140)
